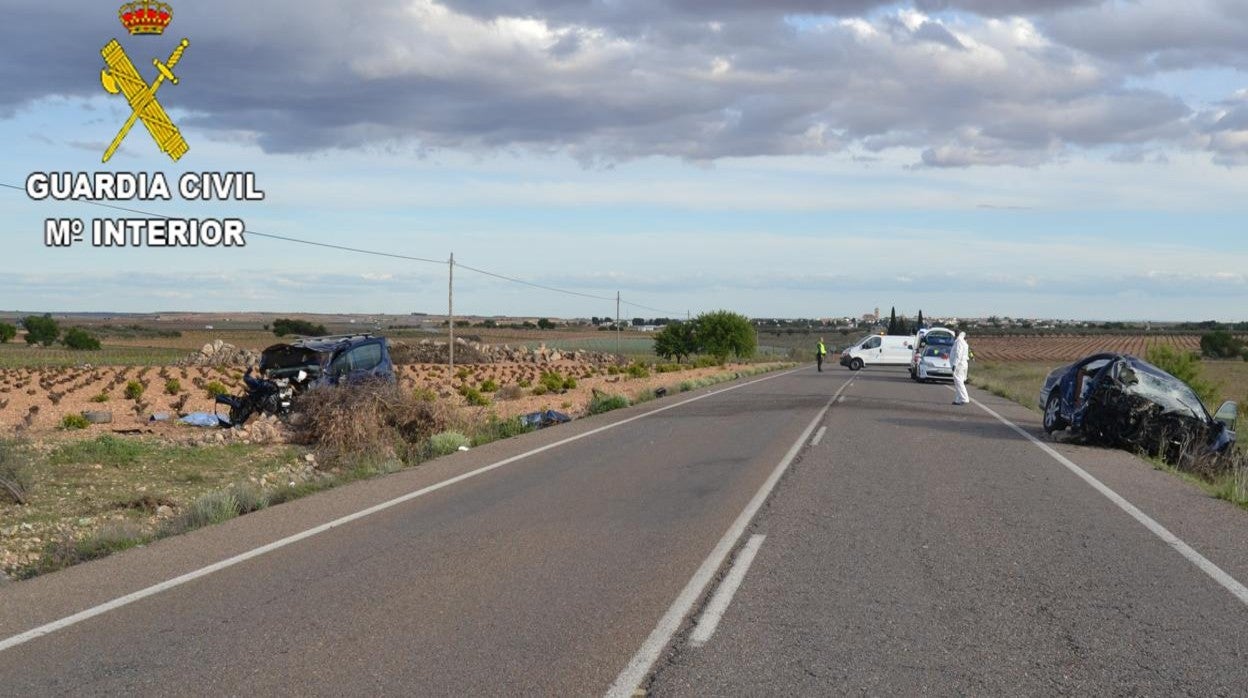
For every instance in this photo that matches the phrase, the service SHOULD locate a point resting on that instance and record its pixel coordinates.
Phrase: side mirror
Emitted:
(1227, 414)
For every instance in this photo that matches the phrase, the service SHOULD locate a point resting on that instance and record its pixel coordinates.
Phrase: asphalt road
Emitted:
(918, 548)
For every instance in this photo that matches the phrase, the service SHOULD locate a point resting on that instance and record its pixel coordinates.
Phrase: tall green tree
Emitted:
(676, 340)
(41, 330)
(920, 325)
(723, 333)
(892, 320)
(7, 332)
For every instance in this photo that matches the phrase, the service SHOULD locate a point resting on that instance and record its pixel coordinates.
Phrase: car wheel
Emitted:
(1053, 414)
(855, 365)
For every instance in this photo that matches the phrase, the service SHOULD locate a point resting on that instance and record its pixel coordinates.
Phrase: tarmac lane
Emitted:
(924, 548)
(541, 576)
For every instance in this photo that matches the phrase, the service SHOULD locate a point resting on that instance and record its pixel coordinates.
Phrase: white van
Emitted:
(879, 350)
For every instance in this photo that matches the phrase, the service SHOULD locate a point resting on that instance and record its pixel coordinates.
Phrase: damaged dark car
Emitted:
(286, 370)
(1123, 401)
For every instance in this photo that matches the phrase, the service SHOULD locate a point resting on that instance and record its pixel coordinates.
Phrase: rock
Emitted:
(310, 458)
(164, 511)
(207, 350)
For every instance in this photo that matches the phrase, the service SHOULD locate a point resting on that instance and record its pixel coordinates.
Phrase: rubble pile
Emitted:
(435, 352)
(218, 353)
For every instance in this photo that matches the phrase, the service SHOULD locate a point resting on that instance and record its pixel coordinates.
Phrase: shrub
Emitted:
(495, 429)
(613, 370)
(1220, 344)
(524, 383)
(16, 477)
(173, 386)
(365, 421)
(41, 330)
(539, 390)
(447, 442)
(215, 388)
(102, 397)
(74, 421)
(707, 362)
(285, 326)
(509, 392)
(462, 374)
(134, 390)
(79, 339)
(552, 380)
(7, 332)
(669, 368)
(637, 370)
(249, 497)
(603, 402)
(1185, 366)
(474, 396)
(425, 394)
(489, 385)
(569, 383)
(212, 508)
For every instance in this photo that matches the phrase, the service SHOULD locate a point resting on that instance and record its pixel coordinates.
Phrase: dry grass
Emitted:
(367, 421)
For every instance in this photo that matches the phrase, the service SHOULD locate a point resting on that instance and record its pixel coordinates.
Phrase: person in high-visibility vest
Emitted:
(820, 352)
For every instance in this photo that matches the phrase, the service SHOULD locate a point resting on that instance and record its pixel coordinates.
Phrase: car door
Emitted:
(357, 362)
(872, 350)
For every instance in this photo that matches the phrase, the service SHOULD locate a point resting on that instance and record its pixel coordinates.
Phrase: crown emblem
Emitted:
(145, 17)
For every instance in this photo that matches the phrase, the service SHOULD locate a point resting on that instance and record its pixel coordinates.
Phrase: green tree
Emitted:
(7, 332)
(79, 339)
(1220, 344)
(285, 326)
(722, 333)
(920, 325)
(676, 340)
(545, 324)
(41, 330)
(892, 320)
(1186, 367)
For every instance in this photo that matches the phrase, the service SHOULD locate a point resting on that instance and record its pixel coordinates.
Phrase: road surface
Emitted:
(918, 547)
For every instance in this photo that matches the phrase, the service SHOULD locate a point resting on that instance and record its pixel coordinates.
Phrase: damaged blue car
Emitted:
(288, 369)
(1123, 401)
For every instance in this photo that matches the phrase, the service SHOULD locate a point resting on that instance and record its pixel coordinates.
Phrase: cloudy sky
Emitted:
(1064, 158)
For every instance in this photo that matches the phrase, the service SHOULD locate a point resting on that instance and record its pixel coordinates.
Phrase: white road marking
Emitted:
(633, 674)
(714, 611)
(128, 599)
(1200, 561)
(818, 436)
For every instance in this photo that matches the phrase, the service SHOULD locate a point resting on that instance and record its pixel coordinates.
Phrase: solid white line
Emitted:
(818, 436)
(1203, 563)
(714, 611)
(633, 674)
(257, 552)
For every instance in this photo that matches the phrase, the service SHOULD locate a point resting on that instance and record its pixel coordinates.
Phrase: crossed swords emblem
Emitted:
(120, 76)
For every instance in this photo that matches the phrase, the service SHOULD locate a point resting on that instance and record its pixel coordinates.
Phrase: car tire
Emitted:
(855, 364)
(1053, 414)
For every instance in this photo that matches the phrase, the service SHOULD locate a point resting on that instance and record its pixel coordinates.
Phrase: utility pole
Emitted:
(617, 322)
(450, 310)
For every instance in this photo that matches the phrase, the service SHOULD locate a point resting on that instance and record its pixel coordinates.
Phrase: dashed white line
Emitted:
(1200, 561)
(128, 599)
(635, 672)
(714, 611)
(818, 436)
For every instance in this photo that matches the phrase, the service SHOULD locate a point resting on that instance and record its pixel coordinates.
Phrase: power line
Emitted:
(374, 253)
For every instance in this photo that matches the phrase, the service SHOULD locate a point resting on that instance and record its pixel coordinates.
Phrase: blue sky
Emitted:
(961, 158)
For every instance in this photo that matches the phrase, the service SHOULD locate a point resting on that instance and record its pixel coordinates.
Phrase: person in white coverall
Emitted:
(960, 358)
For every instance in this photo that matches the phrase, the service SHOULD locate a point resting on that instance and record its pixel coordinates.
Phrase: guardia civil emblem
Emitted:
(146, 18)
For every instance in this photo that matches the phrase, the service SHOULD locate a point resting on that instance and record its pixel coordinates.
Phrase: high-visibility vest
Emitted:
(822, 349)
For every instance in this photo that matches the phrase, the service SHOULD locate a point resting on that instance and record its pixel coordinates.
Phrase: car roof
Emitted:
(333, 342)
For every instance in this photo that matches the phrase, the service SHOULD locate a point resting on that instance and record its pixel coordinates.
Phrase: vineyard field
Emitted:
(1069, 348)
